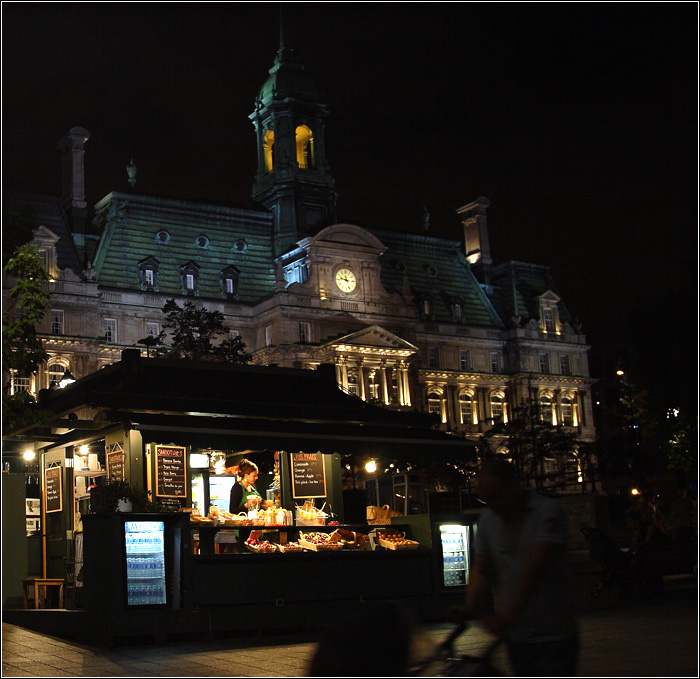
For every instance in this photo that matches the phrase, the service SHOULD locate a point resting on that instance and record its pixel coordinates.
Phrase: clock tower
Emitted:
(292, 179)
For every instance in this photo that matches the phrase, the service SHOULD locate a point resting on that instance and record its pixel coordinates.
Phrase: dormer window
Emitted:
(426, 308)
(228, 279)
(296, 272)
(189, 276)
(201, 241)
(456, 311)
(549, 313)
(148, 274)
(240, 246)
(162, 237)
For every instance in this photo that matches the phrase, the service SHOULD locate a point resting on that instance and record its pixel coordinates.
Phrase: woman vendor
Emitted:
(244, 496)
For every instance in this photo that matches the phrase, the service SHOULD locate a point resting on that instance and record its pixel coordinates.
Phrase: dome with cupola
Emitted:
(287, 79)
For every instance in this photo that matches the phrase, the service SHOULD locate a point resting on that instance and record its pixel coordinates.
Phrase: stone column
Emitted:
(362, 391)
(385, 386)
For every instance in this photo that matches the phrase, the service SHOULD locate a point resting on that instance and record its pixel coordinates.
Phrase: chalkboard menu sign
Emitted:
(115, 466)
(308, 475)
(53, 482)
(171, 479)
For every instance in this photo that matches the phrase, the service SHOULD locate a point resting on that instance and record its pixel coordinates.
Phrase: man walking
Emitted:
(521, 551)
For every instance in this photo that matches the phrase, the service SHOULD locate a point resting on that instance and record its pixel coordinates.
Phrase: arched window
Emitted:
(436, 404)
(268, 144)
(467, 408)
(569, 415)
(305, 147)
(55, 371)
(547, 414)
(498, 407)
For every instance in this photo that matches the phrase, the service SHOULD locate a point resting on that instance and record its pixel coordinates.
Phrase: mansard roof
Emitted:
(48, 212)
(175, 233)
(518, 287)
(436, 270)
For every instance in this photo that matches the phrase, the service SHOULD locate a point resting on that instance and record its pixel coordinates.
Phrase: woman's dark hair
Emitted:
(246, 467)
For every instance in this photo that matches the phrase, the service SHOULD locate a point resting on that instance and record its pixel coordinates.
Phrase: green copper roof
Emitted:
(177, 233)
(517, 288)
(436, 270)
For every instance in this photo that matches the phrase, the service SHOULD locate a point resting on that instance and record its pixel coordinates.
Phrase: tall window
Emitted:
(433, 357)
(495, 362)
(457, 311)
(426, 308)
(549, 321)
(546, 409)
(189, 281)
(56, 372)
(150, 277)
(268, 336)
(268, 145)
(564, 365)
(152, 329)
(465, 359)
(352, 384)
(435, 404)
(466, 408)
(20, 384)
(304, 331)
(57, 327)
(497, 408)
(567, 412)
(111, 330)
(373, 384)
(544, 363)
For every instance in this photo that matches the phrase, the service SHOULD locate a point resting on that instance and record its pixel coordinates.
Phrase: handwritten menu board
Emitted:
(171, 479)
(53, 482)
(115, 466)
(308, 475)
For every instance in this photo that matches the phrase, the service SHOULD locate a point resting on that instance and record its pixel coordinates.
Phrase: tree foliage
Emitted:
(531, 442)
(195, 334)
(22, 350)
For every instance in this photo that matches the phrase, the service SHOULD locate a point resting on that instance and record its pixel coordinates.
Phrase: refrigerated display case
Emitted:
(145, 563)
(200, 491)
(454, 550)
(135, 560)
(220, 491)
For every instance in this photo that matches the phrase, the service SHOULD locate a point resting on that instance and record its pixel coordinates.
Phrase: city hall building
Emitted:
(409, 321)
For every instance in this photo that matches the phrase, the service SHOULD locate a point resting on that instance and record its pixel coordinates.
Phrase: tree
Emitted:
(194, 331)
(531, 442)
(22, 350)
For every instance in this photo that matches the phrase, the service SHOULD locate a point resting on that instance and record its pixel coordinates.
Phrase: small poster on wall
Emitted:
(32, 526)
(33, 506)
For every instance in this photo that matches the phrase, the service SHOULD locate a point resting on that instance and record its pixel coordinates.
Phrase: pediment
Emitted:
(44, 235)
(550, 296)
(373, 338)
(348, 234)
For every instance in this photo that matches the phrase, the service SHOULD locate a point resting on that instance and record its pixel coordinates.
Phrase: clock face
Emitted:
(345, 280)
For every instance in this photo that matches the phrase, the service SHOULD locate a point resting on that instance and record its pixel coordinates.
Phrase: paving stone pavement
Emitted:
(618, 639)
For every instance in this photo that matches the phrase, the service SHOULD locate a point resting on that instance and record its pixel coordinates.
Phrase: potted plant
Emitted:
(121, 496)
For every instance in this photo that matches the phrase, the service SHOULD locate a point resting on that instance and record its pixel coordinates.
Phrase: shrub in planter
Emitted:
(105, 499)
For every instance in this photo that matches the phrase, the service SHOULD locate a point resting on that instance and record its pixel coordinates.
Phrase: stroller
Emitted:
(444, 663)
(620, 569)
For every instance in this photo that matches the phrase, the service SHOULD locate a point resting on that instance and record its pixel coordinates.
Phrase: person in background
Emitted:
(521, 552)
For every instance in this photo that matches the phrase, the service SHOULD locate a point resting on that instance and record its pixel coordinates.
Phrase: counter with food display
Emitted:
(295, 567)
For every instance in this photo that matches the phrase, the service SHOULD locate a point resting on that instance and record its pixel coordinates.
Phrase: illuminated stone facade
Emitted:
(410, 321)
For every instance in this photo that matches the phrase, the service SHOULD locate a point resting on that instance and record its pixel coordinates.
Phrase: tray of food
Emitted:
(290, 547)
(260, 546)
(397, 541)
(318, 542)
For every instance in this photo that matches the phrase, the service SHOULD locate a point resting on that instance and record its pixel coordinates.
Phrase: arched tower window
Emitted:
(268, 145)
(305, 147)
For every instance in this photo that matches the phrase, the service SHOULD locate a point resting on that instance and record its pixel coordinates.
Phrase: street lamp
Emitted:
(66, 379)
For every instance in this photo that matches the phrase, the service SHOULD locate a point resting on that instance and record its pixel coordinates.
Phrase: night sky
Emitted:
(578, 121)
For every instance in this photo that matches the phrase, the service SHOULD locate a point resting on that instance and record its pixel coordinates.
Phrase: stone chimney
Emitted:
(73, 179)
(476, 238)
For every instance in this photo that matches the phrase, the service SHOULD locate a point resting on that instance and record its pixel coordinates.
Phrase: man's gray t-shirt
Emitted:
(548, 613)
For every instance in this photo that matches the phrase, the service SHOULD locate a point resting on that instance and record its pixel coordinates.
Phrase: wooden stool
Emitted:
(45, 583)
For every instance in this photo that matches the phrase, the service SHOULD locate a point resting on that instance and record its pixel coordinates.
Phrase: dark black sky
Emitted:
(577, 120)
